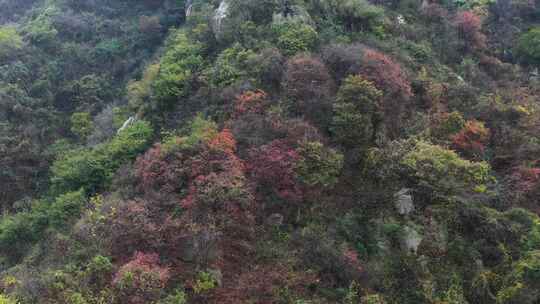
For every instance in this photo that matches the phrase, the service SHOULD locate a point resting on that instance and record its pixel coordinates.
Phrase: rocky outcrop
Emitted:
(404, 201)
(220, 15)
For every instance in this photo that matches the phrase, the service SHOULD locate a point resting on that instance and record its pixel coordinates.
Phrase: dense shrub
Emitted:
(252, 201)
(321, 252)
(132, 228)
(92, 169)
(141, 280)
(21, 230)
(443, 171)
(179, 297)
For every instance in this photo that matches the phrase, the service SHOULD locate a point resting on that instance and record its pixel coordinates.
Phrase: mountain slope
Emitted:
(244, 151)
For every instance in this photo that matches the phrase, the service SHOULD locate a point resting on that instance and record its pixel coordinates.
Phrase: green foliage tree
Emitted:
(521, 284)
(92, 169)
(294, 37)
(82, 125)
(10, 42)
(451, 124)
(443, 171)
(528, 46)
(107, 50)
(66, 207)
(205, 282)
(19, 231)
(90, 91)
(318, 166)
(358, 14)
(7, 300)
(178, 69)
(356, 112)
(178, 297)
(231, 65)
(373, 299)
(139, 92)
(40, 30)
(88, 283)
(201, 131)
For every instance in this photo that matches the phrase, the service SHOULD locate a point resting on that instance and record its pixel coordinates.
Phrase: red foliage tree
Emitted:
(218, 205)
(250, 102)
(307, 79)
(434, 11)
(210, 223)
(390, 78)
(132, 228)
(224, 141)
(469, 25)
(471, 140)
(386, 74)
(155, 172)
(526, 179)
(309, 86)
(351, 258)
(525, 187)
(259, 285)
(272, 167)
(216, 184)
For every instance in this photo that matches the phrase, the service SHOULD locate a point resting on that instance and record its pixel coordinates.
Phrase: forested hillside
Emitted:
(269, 151)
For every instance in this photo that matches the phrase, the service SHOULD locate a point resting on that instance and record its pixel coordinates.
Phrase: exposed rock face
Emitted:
(221, 13)
(404, 201)
(189, 7)
(411, 239)
(401, 20)
(275, 219)
(126, 124)
(292, 14)
(217, 275)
